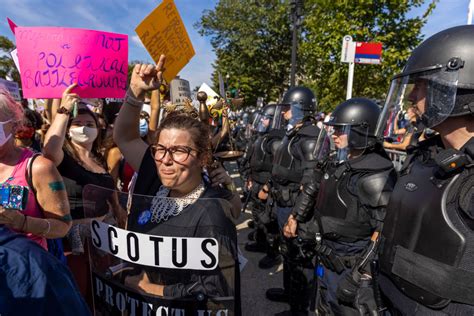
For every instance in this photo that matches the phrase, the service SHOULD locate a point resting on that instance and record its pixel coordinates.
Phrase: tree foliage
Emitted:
(252, 41)
(7, 65)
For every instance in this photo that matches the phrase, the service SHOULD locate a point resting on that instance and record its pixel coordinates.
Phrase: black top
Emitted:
(76, 177)
(205, 218)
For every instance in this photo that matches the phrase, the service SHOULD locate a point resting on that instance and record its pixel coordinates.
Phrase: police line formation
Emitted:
(356, 233)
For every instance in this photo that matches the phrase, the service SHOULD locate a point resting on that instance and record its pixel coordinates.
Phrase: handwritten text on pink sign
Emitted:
(52, 58)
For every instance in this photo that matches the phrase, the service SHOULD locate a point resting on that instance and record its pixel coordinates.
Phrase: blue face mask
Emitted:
(143, 127)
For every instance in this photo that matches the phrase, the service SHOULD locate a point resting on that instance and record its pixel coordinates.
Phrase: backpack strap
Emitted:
(29, 173)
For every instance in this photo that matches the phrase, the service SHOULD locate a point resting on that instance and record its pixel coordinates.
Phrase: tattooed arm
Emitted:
(52, 197)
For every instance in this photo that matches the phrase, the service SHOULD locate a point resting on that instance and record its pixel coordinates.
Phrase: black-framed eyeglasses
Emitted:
(177, 153)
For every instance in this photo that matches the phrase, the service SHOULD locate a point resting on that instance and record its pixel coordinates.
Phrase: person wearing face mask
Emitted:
(43, 211)
(73, 144)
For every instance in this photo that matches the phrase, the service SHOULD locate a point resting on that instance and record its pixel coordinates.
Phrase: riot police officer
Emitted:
(349, 207)
(260, 165)
(427, 255)
(293, 164)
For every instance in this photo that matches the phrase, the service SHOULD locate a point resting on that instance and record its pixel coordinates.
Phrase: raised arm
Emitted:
(126, 134)
(54, 139)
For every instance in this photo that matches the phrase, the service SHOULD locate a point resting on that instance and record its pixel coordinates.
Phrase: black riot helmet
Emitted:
(361, 116)
(302, 101)
(265, 117)
(437, 80)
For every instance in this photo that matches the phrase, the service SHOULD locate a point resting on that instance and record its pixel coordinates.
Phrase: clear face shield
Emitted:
(297, 114)
(279, 121)
(342, 142)
(425, 97)
(264, 124)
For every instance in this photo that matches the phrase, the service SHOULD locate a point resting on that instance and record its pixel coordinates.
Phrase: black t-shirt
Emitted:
(205, 218)
(76, 177)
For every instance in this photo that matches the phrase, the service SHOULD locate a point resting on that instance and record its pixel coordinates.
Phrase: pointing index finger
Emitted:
(69, 89)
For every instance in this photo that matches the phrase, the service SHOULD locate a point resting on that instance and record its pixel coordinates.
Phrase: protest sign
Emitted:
(163, 32)
(212, 96)
(14, 54)
(179, 91)
(156, 251)
(11, 87)
(52, 58)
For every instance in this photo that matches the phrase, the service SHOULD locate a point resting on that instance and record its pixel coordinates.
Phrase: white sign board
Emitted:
(12, 87)
(156, 251)
(14, 54)
(179, 91)
(348, 49)
(212, 96)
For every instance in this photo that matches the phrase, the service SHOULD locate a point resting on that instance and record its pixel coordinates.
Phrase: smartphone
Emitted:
(13, 196)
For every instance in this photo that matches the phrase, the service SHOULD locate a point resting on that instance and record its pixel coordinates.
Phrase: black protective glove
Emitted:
(358, 294)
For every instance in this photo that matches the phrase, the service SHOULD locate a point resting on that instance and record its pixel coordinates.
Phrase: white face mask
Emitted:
(4, 138)
(83, 134)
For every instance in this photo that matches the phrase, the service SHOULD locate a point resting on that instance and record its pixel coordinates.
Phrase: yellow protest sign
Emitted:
(163, 32)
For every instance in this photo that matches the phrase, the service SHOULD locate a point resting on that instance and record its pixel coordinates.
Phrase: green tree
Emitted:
(325, 25)
(7, 65)
(252, 41)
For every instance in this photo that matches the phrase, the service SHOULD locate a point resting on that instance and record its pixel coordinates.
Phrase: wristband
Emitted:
(63, 110)
(47, 229)
(134, 102)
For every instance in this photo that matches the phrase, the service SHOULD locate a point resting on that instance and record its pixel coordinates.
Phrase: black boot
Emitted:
(269, 262)
(252, 235)
(251, 224)
(277, 295)
(255, 247)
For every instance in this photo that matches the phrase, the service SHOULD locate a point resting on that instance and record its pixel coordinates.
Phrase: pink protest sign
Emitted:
(52, 58)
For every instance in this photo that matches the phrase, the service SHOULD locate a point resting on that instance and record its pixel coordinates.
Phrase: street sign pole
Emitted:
(350, 79)
(347, 56)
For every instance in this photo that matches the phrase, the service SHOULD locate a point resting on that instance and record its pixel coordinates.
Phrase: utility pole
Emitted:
(296, 14)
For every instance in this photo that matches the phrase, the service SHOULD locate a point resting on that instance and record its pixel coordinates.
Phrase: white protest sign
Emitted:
(14, 54)
(12, 87)
(212, 96)
(156, 251)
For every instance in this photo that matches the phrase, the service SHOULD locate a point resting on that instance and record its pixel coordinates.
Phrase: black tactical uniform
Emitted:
(293, 165)
(427, 257)
(349, 209)
(260, 165)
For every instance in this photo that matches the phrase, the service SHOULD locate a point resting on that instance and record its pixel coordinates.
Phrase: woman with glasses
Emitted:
(173, 168)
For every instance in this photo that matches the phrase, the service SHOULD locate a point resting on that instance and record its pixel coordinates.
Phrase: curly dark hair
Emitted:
(200, 133)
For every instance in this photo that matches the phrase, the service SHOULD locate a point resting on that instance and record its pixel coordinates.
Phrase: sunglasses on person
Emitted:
(177, 153)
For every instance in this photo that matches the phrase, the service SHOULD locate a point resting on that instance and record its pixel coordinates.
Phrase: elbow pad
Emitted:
(304, 205)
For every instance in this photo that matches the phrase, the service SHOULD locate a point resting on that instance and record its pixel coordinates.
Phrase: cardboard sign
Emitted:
(156, 251)
(179, 91)
(212, 96)
(11, 87)
(163, 32)
(52, 58)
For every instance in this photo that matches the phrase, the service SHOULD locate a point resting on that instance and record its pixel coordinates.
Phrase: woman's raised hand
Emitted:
(146, 77)
(69, 99)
